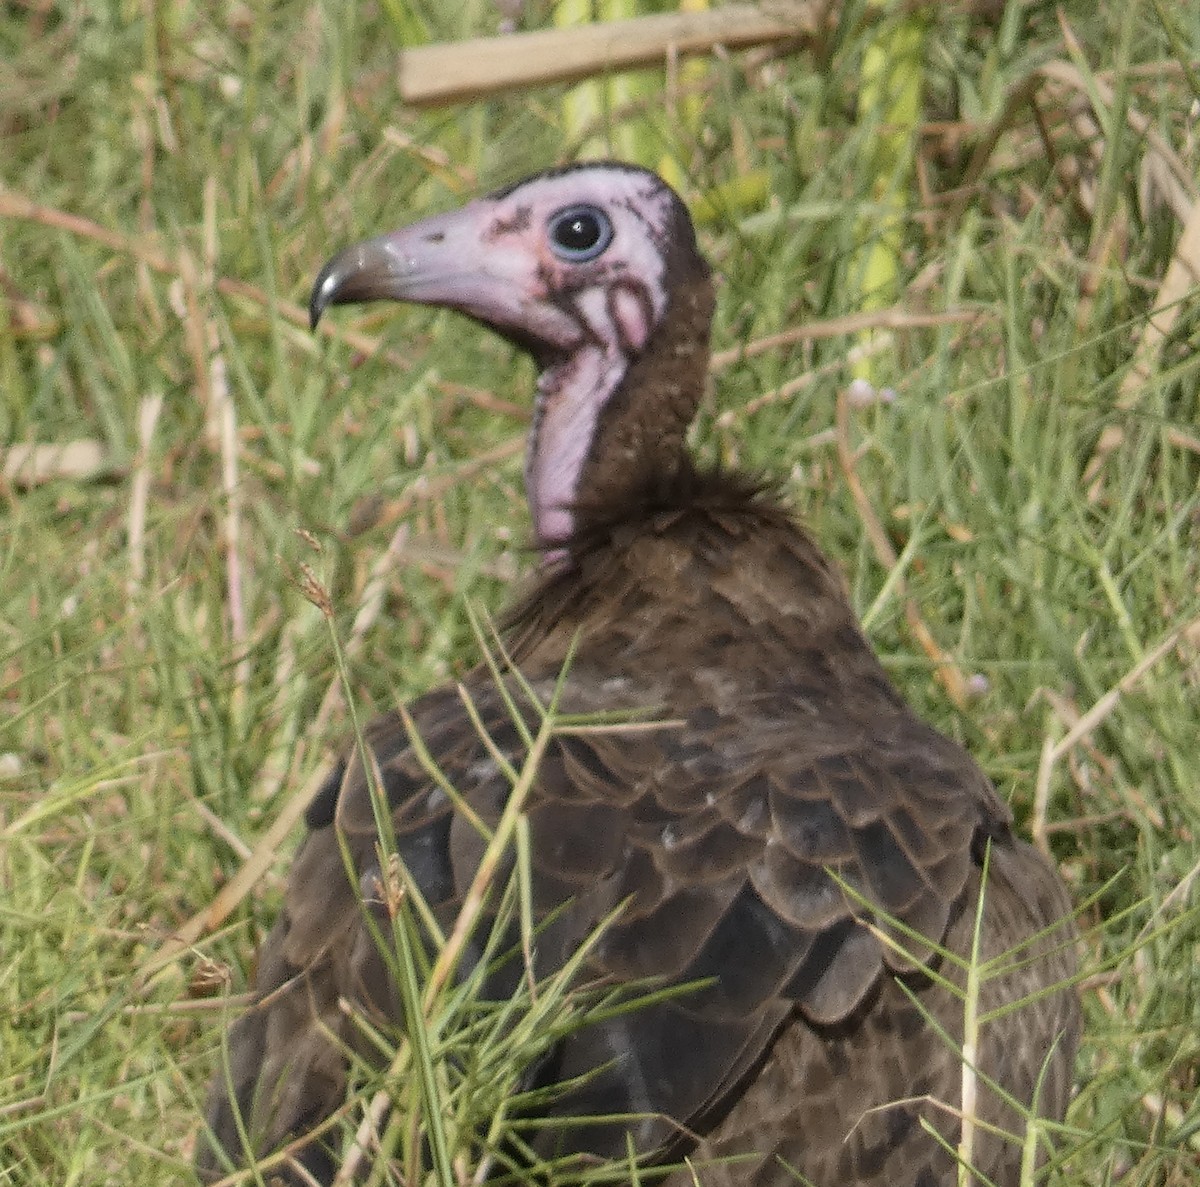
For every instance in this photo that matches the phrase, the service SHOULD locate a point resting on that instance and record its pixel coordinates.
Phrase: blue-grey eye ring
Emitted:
(579, 233)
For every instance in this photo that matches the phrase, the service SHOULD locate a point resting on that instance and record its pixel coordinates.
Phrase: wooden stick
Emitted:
(451, 72)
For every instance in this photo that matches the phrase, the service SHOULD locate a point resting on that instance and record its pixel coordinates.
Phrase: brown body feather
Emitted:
(794, 754)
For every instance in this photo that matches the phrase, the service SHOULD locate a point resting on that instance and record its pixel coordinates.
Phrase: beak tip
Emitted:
(323, 294)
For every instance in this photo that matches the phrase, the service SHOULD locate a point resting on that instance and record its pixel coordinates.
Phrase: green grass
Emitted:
(161, 702)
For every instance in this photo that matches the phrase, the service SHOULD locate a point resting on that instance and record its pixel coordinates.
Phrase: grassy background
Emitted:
(171, 177)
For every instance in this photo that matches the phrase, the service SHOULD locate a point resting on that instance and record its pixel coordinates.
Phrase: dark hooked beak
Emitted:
(447, 260)
(426, 263)
(366, 271)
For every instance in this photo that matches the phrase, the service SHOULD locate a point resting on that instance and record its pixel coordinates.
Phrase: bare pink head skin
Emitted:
(573, 265)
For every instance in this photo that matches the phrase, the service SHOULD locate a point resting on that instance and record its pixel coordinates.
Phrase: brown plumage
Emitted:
(784, 753)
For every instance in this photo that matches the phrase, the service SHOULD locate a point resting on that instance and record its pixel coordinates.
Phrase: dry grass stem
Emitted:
(1053, 751)
(375, 590)
(263, 856)
(139, 491)
(836, 327)
(1181, 280)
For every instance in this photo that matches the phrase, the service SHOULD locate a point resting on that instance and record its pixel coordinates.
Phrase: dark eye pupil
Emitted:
(578, 232)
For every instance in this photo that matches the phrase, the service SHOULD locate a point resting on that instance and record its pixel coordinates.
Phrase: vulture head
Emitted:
(594, 270)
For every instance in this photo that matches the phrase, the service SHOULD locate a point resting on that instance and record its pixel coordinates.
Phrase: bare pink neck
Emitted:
(608, 420)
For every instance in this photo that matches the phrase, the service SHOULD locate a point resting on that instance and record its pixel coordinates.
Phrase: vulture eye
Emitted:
(579, 233)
